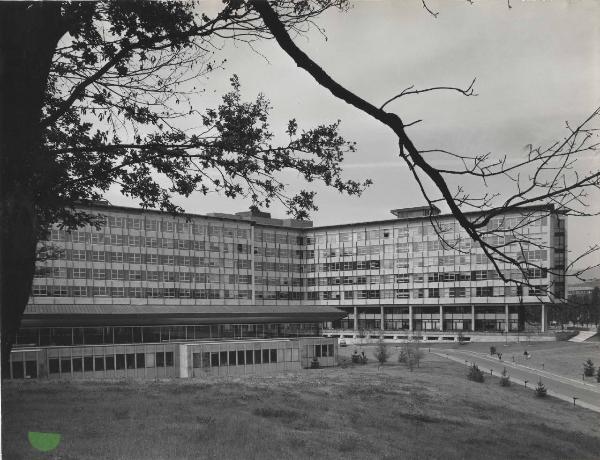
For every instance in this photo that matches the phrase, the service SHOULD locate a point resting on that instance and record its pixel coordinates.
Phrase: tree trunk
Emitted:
(29, 34)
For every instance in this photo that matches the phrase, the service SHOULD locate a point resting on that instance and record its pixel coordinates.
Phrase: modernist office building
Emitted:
(150, 277)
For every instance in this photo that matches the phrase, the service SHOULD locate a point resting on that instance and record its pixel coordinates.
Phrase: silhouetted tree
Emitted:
(98, 94)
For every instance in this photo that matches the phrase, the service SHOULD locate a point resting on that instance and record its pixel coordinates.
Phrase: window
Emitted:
(151, 258)
(60, 291)
(135, 224)
(117, 291)
(433, 292)
(361, 294)
(539, 254)
(401, 293)
(136, 292)
(65, 366)
(97, 238)
(116, 222)
(77, 365)
(135, 275)
(152, 276)
(116, 257)
(100, 291)
(117, 275)
(79, 291)
(57, 235)
(79, 273)
(151, 225)
(78, 254)
(479, 275)
(484, 291)
(457, 292)
(153, 293)
(99, 274)
(98, 363)
(40, 291)
(537, 273)
(116, 240)
(78, 237)
(537, 290)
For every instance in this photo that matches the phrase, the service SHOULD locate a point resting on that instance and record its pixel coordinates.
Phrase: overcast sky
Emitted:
(537, 65)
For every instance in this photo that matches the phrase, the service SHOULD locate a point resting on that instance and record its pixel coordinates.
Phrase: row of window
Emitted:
(216, 229)
(145, 258)
(140, 275)
(243, 357)
(532, 223)
(138, 292)
(188, 228)
(157, 334)
(183, 293)
(346, 250)
(118, 361)
(273, 280)
(240, 264)
(421, 293)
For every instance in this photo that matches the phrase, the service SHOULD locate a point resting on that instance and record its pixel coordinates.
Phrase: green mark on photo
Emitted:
(44, 442)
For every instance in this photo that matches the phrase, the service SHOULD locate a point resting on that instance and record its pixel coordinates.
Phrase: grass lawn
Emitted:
(345, 412)
(564, 358)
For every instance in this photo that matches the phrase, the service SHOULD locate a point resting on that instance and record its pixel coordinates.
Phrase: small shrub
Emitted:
(598, 375)
(505, 379)
(588, 368)
(411, 355)
(314, 364)
(475, 374)
(382, 354)
(403, 356)
(492, 350)
(540, 390)
(461, 338)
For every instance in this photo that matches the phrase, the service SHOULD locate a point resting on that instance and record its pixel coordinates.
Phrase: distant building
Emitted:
(582, 290)
(148, 277)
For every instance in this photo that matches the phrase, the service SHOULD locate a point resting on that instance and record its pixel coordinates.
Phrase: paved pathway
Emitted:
(565, 388)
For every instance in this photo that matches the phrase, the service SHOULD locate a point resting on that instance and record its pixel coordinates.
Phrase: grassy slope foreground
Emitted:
(353, 412)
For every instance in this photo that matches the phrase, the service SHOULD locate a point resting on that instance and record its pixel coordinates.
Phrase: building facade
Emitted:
(150, 277)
